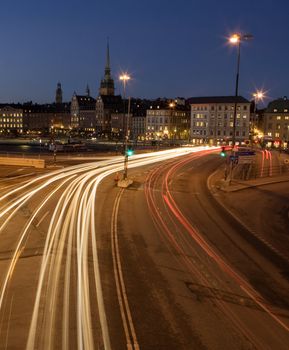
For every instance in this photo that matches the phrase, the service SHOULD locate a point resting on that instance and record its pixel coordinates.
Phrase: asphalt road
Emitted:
(160, 265)
(195, 277)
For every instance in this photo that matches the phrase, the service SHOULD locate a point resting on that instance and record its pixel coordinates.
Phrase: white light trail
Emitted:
(72, 222)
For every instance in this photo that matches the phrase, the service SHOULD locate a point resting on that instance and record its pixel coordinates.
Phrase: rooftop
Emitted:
(216, 99)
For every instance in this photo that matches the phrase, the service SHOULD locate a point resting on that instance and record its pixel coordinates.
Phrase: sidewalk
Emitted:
(217, 181)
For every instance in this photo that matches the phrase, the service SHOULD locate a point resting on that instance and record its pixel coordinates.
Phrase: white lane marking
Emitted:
(43, 217)
(121, 290)
(8, 327)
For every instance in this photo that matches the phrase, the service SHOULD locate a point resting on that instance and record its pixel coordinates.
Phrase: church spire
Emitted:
(58, 94)
(107, 55)
(87, 90)
(107, 84)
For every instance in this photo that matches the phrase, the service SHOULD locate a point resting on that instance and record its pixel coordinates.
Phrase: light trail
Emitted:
(181, 244)
(71, 228)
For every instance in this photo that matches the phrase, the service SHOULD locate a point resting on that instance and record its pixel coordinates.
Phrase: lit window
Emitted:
(278, 117)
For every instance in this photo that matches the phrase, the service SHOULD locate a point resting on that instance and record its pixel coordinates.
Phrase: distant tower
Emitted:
(107, 83)
(58, 95)
(87, 90)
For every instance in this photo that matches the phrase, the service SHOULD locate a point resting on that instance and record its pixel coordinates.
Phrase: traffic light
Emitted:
(223, 151)
(129, 151)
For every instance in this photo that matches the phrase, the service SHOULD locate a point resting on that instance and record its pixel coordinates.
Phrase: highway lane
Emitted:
(195, 280)
(51, 292)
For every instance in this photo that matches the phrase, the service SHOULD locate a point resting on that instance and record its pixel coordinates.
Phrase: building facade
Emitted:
(41, 118)
(83, 113)
(276, 122)
(11, 119)
(107, 106)
(168, 120)
(212, 119)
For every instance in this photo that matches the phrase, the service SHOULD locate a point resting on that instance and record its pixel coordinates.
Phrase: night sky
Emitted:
(171, 48)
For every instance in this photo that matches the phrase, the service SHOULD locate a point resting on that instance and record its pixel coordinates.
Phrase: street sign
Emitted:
(246, 153)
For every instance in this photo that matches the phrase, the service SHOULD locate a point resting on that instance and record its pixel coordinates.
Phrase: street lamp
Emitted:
(236, 39)
(124, 78)
(171, 121)
(258, 96)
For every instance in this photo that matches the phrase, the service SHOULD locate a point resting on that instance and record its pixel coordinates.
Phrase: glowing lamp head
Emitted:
(124, 77)
(259, 95)
(234, 39)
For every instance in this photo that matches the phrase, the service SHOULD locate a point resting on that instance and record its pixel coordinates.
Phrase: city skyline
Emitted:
(169, 49)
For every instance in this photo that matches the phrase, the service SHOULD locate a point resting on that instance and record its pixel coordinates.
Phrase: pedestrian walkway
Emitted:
(217, 181)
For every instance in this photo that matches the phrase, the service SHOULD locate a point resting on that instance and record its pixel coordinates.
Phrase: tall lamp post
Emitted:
(124, 79)
(236, 39)
(258, 96)
(171, 121)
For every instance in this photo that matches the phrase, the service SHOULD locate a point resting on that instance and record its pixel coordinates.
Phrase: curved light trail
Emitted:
(70, 244)
(161, 177)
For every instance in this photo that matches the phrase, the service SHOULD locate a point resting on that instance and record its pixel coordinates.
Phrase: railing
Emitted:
(253, 171)
(21, 155)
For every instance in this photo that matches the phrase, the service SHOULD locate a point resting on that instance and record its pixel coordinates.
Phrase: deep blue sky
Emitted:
(172, 48)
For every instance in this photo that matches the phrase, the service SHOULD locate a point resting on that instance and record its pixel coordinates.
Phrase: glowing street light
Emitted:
(258, 96)
(236, 39)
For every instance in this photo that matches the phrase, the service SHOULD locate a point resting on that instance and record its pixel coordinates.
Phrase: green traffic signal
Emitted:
(129, 152)
(223, 154)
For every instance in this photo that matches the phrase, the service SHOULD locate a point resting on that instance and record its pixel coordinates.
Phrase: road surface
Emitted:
(86, 265)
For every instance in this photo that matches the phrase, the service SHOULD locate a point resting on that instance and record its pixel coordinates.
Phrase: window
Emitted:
(278, 117)
(277, 134)
(245, 108)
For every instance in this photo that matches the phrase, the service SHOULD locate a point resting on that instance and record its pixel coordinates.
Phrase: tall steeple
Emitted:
(107, 83)
(87, 90)
(58, 95)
